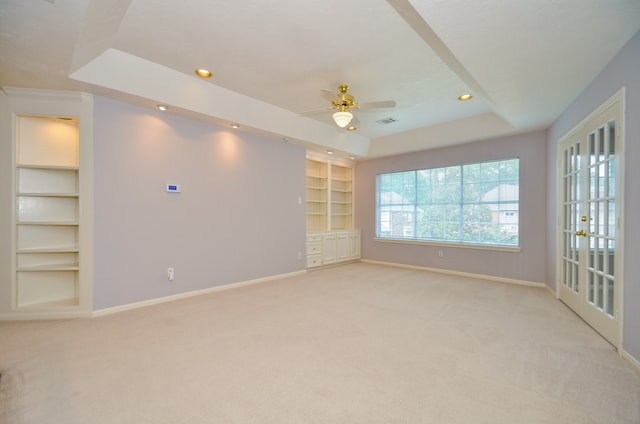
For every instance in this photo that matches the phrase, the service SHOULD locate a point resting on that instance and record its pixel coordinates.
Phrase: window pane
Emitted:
(471, 203)
(471, 192)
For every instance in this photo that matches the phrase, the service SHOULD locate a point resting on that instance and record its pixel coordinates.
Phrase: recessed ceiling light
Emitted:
(235, 126)
(352, 128)
(203, 73)
(285, 139)
(163, 107)
(330, 152)
(465, 97)
(352, 157)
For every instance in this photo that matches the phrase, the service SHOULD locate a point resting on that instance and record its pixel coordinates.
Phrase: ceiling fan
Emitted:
(343, 102)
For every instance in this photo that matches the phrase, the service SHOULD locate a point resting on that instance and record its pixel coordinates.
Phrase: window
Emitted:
(475, 203)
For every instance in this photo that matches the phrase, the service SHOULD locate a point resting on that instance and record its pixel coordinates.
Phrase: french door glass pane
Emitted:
(611, 269)
(600, 291)
(609, 309)
(611, 190)
(612, 138)
(602, 172)
(601, 143)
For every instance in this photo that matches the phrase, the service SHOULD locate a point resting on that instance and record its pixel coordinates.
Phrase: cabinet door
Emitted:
(342, 246)
(329, 249)
(354, 245)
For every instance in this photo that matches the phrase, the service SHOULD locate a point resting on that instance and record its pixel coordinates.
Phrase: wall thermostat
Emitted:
(173, 188)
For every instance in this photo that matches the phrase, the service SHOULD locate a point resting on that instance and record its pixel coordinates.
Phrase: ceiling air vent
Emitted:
(386, 121)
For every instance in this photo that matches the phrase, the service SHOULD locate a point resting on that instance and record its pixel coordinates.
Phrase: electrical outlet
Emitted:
(440, 253)
(299, 255)
(170, 273)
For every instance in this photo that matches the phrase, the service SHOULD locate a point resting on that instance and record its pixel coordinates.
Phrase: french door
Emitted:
(589, 214)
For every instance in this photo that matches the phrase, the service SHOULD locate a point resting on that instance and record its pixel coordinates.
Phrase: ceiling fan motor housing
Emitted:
(347, 101)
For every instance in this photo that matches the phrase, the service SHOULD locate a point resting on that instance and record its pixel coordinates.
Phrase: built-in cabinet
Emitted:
(332, 247)
(314, 250)
(52, 219)
(331, 237)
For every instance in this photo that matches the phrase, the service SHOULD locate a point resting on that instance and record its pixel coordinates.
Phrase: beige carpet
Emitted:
(360, 343)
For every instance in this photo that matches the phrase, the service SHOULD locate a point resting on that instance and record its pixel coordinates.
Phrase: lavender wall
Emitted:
(236, 219)
(622, 71)
(526, 265)
(6, 203)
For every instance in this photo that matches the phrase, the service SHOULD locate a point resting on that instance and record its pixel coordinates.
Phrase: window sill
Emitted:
(514, 249)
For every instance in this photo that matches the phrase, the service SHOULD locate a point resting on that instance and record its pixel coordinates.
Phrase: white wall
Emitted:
(526, 265)
(236, 219)
(622, 71)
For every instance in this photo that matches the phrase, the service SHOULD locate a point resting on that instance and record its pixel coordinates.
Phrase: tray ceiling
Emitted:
(524, 61)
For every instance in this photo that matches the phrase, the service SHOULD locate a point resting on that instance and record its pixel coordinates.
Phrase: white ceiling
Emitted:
(524, 61)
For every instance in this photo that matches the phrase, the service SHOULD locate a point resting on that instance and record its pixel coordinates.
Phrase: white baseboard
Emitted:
(461, 274)
(633, 361)
(144, 303)
(552, 291)
(44, 315)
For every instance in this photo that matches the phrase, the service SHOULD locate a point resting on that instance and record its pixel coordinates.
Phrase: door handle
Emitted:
(582, 233)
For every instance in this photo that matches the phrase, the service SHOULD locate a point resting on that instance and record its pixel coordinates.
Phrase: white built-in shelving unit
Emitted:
(341, 183)
(331, 236)
(47, 211)
(52, 237)
(317, 194)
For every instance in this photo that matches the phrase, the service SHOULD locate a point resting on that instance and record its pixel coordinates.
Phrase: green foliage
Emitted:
(466, 203)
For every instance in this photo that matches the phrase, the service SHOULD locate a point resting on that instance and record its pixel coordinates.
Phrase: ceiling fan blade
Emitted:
(373, 105)
(316, 112)
(328, 94)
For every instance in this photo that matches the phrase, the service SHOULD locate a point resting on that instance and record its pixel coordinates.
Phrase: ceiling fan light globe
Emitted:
(342, 119)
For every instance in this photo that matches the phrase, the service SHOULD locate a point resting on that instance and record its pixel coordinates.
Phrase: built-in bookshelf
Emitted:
(52, 261)
(329, 196)
(341, 182)
(331, 237)
(317, 194)
(47, 251)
